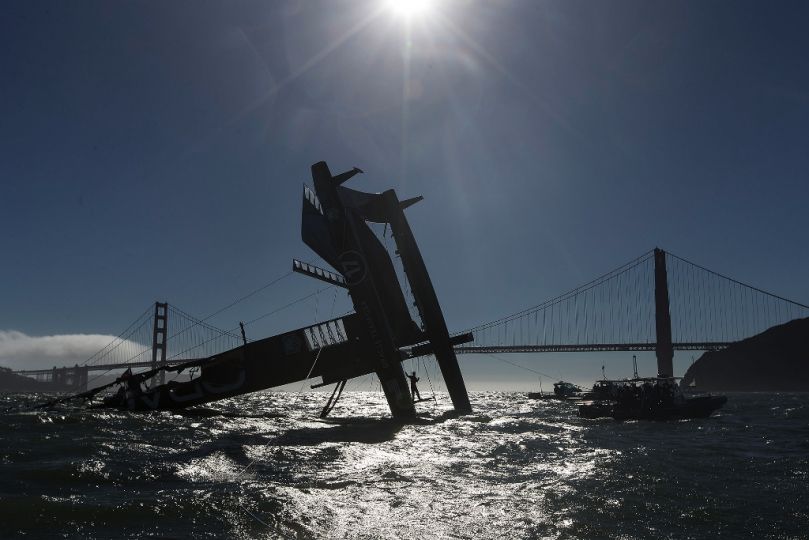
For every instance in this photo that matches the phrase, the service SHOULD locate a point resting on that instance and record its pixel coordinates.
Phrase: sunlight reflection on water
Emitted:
(264, 465)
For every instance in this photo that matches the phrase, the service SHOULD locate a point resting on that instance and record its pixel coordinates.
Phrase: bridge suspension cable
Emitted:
(617, 311)
(612, 308)
(123, 337)
(709, 306)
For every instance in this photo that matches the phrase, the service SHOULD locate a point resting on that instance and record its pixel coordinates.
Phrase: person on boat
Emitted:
(414, 391)
(131, 384)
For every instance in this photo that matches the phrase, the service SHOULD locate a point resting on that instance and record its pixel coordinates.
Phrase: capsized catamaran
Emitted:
(376, 338)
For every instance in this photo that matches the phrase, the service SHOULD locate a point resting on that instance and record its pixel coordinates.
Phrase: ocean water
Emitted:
(264, 466)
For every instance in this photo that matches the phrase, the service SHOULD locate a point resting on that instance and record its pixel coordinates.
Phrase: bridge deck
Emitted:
(461, 349)
(102, 367)
(597, 347)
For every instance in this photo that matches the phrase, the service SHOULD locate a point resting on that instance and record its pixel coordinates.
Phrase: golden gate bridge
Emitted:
(656, 302)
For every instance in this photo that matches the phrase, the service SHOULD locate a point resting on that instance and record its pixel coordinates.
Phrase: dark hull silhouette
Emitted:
(697, 407)
(561, 390)
(551, 397)
(258, 365)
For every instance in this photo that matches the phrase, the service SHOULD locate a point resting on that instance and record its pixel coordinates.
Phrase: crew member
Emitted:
(131, 382)
(414, 391)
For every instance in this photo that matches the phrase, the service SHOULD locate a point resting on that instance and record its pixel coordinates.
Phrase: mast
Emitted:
(342, 238)
(427, 302)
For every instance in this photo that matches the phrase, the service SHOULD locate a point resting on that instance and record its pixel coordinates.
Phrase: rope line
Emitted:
(520, 366)
(249, 295)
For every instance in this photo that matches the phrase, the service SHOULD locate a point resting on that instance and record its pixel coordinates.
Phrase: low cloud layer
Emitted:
(21, 351)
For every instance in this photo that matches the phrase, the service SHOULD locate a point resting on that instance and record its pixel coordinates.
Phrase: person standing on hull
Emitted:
(131, 384)
(414, 391)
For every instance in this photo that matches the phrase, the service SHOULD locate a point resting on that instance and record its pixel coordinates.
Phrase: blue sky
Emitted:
(155, 150)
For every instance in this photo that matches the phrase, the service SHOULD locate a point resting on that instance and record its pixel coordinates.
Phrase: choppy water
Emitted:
(516, 468)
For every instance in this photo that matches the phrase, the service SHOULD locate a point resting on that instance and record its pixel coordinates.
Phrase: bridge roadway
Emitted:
(103, 367)
(460, 349)
(596, 347)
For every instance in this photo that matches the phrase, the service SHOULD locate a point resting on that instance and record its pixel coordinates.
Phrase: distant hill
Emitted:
(11, 382)
(776, 360)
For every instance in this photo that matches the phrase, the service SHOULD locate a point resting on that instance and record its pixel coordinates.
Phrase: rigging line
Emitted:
(311, 369)
(195, 335)
(741, 282)
(197, 322)
(333, 303)
(245, 297)
(191, 348)
(427, 371)
(201, 322)
(519, 366)
(317, 303)
(298, 301)
(98, 376)
(567, 295)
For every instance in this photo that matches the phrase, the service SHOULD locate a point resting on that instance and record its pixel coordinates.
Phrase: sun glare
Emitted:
(409, 8)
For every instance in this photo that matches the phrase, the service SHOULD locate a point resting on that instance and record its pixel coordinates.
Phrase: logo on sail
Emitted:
(353, 267)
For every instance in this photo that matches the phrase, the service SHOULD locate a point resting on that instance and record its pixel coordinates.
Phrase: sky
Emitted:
(157, 151)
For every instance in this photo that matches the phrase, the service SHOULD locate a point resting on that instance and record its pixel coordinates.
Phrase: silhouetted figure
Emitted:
(414, 391)
(131, 383)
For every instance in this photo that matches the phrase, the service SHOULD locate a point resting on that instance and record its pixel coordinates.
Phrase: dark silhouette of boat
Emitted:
(561, 390)
(603, 390)
(657, 398)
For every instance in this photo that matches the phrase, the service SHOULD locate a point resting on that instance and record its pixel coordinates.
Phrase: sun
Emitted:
(410, 8)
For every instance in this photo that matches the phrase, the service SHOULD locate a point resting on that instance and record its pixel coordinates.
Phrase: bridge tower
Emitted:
(664, 348)
(159, 338)
(81, 375)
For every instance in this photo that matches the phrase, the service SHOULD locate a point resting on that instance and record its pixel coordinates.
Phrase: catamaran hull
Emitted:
(259, 365)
